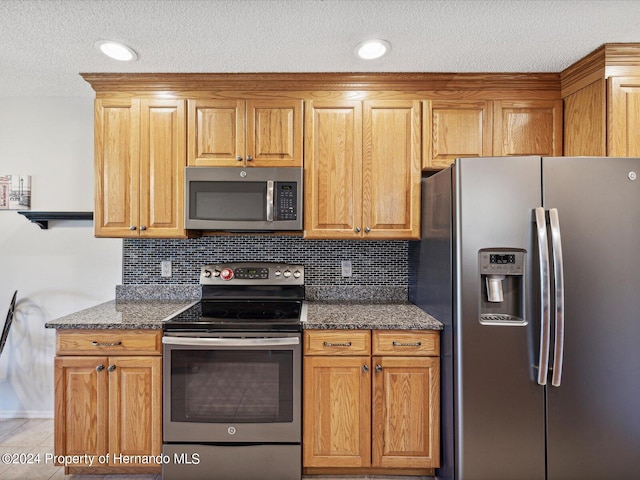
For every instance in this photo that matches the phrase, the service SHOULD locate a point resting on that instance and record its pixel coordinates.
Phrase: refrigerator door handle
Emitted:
(545, 295)
(556, 249)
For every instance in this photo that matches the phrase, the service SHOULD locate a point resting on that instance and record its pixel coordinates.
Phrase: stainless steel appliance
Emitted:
(532, 264)
(232, 376)
(243, 199)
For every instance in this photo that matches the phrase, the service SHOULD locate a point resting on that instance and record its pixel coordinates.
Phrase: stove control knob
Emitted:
(226, 274)
(207, 273)
(287, 273)
(277, 273)
(297, 274)
(216, 273)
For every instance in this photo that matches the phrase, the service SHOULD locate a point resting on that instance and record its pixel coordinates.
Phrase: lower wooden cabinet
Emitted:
(109, 407)
(374, 408)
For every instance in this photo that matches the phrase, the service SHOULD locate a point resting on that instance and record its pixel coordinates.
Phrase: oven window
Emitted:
(228, 201)
(229, 386)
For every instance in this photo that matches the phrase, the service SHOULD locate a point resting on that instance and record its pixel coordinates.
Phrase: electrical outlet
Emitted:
(165, 268)
(346, 268)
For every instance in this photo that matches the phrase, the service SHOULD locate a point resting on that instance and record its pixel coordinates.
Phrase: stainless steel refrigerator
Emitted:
(533, 266)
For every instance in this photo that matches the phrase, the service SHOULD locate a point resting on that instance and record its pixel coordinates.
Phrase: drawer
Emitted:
(406, 342)
(337, 342)
(108, 342)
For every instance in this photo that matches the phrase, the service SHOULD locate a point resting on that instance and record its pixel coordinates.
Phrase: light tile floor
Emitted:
(29, 437)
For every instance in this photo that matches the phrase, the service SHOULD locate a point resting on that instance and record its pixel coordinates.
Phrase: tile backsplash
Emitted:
(375, 264)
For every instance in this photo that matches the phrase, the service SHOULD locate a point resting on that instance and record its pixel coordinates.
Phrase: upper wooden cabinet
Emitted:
(140, 157)
(455, 128)
(461, 128)
(362, 169)
(601, 94)
(527, 127)
(258, 133)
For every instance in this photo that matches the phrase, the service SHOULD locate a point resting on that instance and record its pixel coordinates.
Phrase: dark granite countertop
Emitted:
(118, 314)
(148, 314)
(325, 315)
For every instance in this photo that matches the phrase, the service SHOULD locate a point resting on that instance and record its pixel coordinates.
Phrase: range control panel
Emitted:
(252, 273)
(286, 205)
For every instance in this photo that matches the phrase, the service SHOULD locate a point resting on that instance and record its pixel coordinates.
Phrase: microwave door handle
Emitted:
(270, 200)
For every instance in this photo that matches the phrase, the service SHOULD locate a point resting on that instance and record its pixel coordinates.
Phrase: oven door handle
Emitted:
(231, 342)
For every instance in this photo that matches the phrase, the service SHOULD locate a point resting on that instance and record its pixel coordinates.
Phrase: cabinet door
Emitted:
(585, 131)
(274, 133)
(81, 411)
(216, 133)
(528, 127)
(406, 412)
(117, 167)
(624, 117)
(162, 159)
(391, 169)
(337, 422)
(135, 405)
(455, 129)
(333, 169)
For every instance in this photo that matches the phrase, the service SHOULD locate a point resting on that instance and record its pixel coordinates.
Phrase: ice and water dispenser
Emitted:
(502, 286)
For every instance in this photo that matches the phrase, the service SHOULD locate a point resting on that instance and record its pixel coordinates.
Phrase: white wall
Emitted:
(57, 271)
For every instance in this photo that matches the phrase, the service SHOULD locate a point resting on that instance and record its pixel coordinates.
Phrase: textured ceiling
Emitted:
(46, 43)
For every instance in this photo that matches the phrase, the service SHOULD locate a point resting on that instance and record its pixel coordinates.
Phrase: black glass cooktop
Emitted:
(238, 315)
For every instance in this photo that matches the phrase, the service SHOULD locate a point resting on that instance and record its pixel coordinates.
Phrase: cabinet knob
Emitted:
(367, 230)
(142, 227)
(132, 227)
(365, 368)
(249, 158)
(357, 229)
(378, 368)
(111, 368)
(239, 158)
(99, 368)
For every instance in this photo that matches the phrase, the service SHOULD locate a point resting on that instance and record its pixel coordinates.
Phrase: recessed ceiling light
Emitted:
(372, 49)
(116, 50)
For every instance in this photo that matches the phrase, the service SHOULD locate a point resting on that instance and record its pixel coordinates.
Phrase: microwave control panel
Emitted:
(286, 205)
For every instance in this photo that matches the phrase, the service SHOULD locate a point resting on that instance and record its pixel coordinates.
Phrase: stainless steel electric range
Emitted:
(232, 376)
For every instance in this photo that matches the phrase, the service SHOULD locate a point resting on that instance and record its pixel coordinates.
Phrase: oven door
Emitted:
(232, 387)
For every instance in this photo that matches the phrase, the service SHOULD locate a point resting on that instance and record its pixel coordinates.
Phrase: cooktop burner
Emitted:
(246, 296)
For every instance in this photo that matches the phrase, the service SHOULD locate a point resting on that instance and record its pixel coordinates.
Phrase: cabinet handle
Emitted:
(357, 229)
(99, 368)
(249, 158)
(399, 344)
(367, 230)
(132, 227)
(111, 368)
(239, 158)
(378, 368)
(327, 344)
(103, 344)
(142, 227)
(365, 368)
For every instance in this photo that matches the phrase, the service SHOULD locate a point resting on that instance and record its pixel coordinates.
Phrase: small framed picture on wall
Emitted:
(15, 192)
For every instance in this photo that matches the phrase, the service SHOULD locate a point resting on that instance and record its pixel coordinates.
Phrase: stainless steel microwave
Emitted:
(243, 199)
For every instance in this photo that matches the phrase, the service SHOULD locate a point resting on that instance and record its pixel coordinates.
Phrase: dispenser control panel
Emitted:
(501, 263)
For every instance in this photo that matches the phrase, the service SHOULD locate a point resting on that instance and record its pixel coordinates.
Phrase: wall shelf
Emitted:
(42, 218)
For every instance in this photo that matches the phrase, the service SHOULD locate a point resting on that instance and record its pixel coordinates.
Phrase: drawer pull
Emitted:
(346, 344)
(399, 344)
(99, 368)
(365, 368)
(106, 344)
(111, 368)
